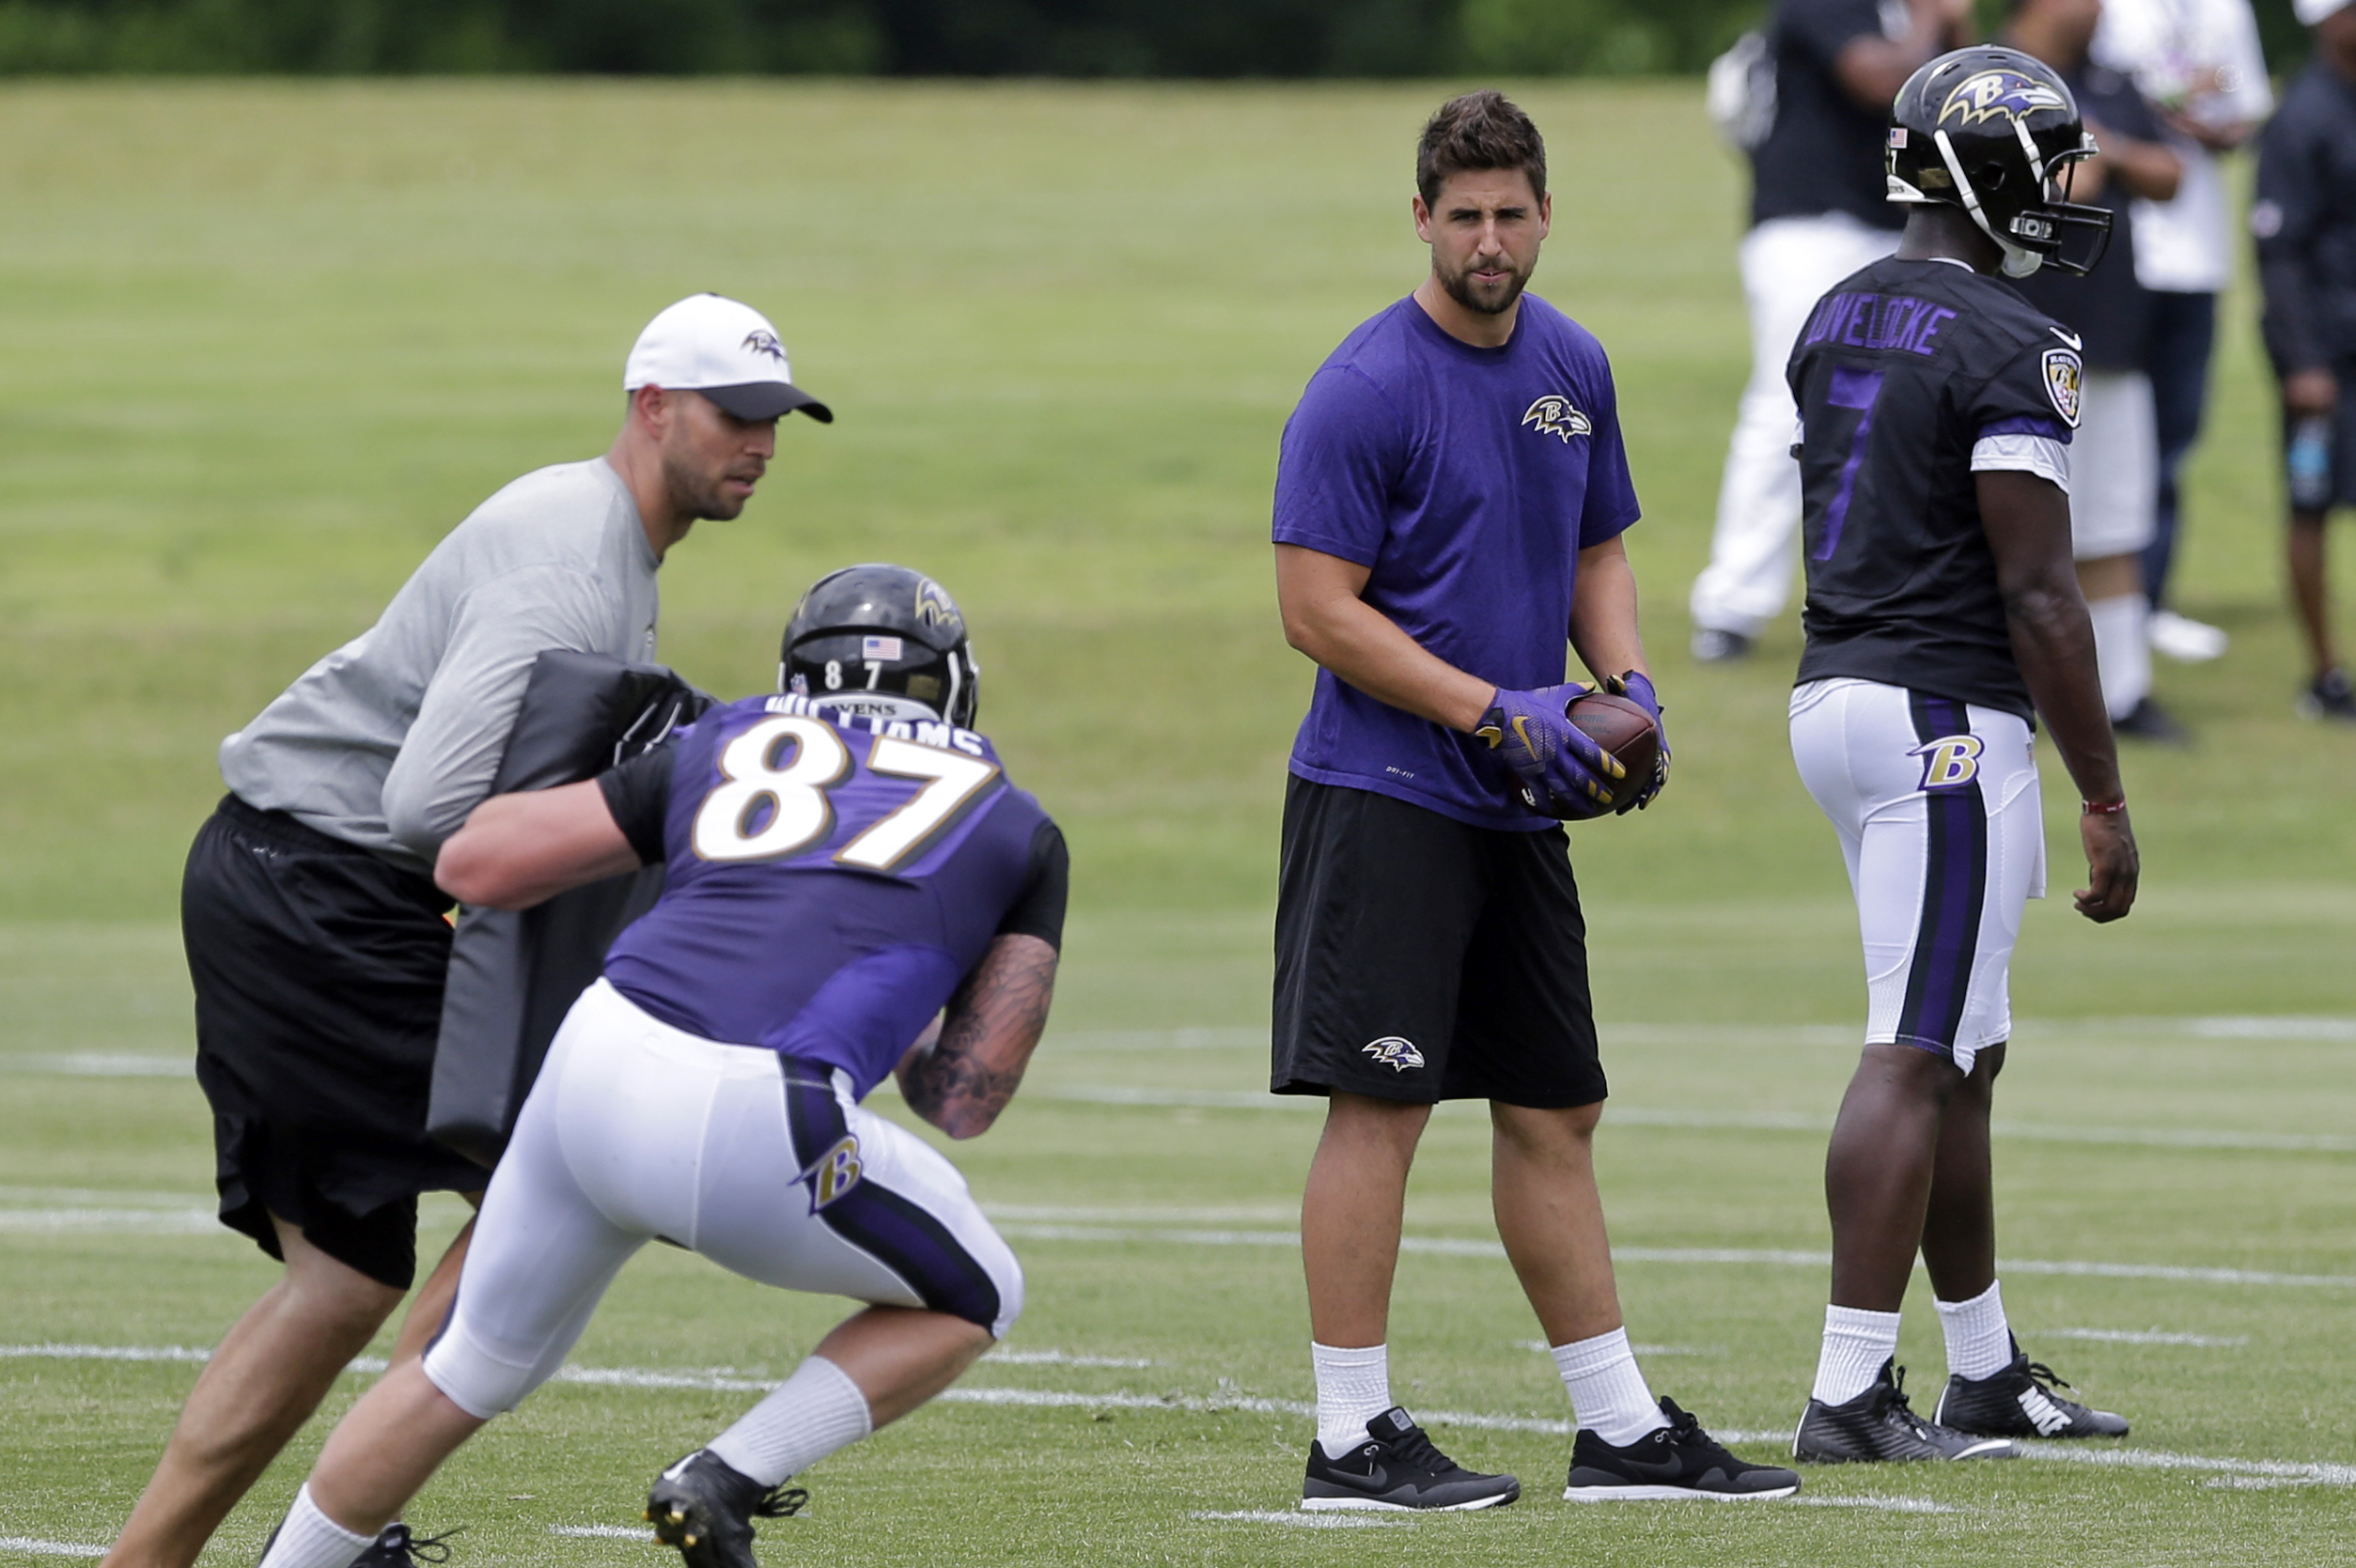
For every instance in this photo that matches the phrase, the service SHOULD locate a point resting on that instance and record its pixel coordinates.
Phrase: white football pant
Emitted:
(636, 1131)
(1936, 804)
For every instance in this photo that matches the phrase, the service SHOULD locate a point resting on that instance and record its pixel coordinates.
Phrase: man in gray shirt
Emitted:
(316, 938)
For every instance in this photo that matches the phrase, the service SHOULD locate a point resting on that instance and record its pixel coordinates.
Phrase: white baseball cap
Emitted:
(2311, 11)
(727, 352)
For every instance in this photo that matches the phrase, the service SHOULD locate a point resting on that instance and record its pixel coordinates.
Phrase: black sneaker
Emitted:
(2019, 1401)
(393, 1546)
(2329, 696)
(2148, 721)
(706, 1509)
(1678, 1460)
(396, 1547)
(1715, 645)
(1878, 1426)
(1397, 1468)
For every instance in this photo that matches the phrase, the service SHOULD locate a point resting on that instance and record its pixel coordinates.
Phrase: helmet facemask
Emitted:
(2035, 232)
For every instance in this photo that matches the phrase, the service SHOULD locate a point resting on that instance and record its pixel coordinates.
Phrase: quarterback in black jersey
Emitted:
(1943, 615)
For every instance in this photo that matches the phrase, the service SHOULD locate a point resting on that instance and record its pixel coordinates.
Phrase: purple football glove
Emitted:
(1637, 688)
(1562, 774)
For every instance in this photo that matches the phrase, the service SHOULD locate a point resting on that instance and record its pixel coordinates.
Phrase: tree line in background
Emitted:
(899, 37)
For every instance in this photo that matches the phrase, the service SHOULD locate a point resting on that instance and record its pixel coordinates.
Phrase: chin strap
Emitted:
(2018, 263)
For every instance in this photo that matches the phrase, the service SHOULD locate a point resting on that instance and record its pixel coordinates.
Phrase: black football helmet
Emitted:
(1996, 133)
(886, 629)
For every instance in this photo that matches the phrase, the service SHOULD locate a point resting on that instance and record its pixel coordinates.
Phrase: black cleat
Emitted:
(1715, 645)
(2329, 696)
(1678, 1460)
(706, 1509)
(2019, 1401)
(1398, 1468)
(396, 1547)
(1879, 1427)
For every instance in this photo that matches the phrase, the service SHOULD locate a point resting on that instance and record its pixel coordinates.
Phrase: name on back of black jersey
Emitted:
(1877, 321)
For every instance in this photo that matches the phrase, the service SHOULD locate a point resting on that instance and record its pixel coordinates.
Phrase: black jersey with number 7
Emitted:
(1908, 376)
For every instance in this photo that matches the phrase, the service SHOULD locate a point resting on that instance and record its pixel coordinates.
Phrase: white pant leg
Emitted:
(804, 1189)
(541, 1257)
(637, 1130)
(1936, 808)
(2113, 466)
(1787, 265)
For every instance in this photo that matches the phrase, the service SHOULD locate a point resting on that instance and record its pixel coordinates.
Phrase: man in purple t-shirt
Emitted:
(1450, 501)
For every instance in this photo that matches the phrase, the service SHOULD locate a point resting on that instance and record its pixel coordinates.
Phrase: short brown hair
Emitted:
(1478, 130)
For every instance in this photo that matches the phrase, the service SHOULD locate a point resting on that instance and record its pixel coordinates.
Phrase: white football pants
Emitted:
(1936, 805)
(1788, 264)
(637, 1131)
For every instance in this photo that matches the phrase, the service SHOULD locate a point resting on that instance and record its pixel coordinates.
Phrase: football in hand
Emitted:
(1623, 729)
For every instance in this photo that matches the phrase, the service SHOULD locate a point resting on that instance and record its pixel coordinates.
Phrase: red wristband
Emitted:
(2102, 808)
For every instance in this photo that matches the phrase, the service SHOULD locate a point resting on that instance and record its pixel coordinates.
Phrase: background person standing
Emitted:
(2114, 461)
(315, 935)
(1818, 214)
(2305, 220)
(2198, 63)
(1450, 501)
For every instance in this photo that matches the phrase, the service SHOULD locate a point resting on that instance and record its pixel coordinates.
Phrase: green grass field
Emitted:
(264, 344)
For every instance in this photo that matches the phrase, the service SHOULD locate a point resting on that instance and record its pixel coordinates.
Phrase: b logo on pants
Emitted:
(834, 1172)
(1949, 764)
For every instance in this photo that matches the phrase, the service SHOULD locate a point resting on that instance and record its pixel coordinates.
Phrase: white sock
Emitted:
(309, 1538)
(1607, 1391)
(2122, 650)
(1856, 1342)
(1979, 1342)
(1352, 1388)
(807, 1417)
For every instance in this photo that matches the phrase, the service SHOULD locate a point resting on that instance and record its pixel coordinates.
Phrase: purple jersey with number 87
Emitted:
(830, 880)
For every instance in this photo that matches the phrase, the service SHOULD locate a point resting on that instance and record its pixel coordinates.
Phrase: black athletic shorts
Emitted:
(1421, 958)
(2343, 422)
(318, 969)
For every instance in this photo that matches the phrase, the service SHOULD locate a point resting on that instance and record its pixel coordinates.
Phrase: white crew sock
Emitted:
(1979, 1341)
(2122, 650)
(1856, 1342)
(1352, 1388)
(1607, 1391)
(807, 1417)
(309, 1538)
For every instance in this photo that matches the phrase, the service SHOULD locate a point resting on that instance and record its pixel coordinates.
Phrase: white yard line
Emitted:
(112, 1221)
(48, 1548)
(1461, 1246)
(643, 1534)
(107, 1064)
(2144, 1336)
(1887, 1505)
(1060, 1359)
(2232, 1026)
(1299, 1520)
(1645, 1116)
(2288, 1470)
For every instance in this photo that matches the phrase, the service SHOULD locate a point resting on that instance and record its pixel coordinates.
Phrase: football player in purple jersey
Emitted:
(853, 890)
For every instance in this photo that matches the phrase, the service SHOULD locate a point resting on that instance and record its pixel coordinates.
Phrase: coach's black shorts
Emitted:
(1421, 958)
(318, 971)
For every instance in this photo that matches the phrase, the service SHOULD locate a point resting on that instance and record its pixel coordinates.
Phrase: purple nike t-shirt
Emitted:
(1467, 480)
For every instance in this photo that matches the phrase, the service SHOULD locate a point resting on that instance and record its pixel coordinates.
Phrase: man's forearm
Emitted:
(1362, 645)
(1603, 617)
(964, 1078)
(2052, 641)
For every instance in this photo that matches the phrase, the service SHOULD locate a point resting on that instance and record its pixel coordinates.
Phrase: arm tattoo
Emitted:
(993, 1020)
